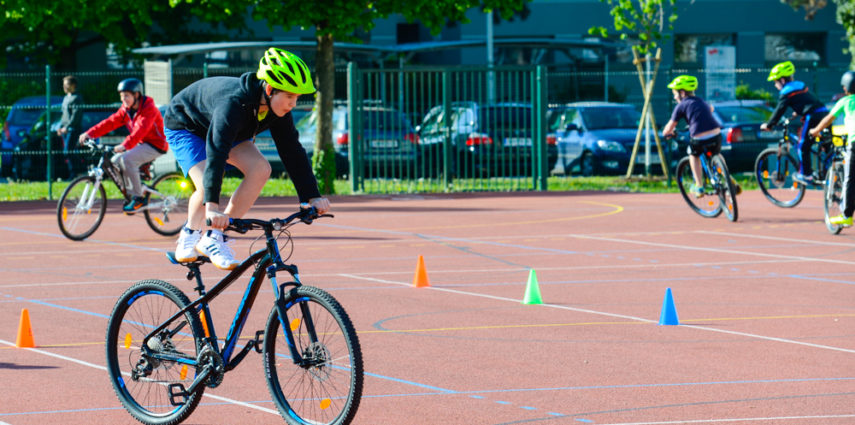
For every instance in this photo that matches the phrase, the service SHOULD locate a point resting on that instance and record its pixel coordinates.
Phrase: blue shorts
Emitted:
(188, 148)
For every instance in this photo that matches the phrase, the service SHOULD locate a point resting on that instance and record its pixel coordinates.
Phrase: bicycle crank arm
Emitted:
(178, 390)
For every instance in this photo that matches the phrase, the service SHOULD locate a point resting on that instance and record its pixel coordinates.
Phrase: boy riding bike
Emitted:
(213, 122)
(795, 95)
(845, 105)
(704, 129)
(145, 143)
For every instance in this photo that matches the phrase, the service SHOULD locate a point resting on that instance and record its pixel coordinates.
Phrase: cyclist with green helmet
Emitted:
(213, 122)
(704, 129)
(794, 95)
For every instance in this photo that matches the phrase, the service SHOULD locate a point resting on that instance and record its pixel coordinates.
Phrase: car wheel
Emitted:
(586, 165)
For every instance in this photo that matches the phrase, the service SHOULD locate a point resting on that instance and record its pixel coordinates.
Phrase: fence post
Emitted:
(47, 133)
(540, 148)
(446, 140)
(353, 124)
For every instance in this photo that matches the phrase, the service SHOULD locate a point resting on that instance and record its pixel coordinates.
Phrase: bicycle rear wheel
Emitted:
(775, 175)
(324, 385)
(141, 382)
(166, 212)
(833, 196)
(725, 188)
(81, 208)
(708, 205)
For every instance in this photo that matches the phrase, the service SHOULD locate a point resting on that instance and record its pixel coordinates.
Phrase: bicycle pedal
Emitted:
(176, 391)
(258, 341)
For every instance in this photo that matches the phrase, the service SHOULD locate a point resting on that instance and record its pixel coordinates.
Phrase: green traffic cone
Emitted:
(532, 291)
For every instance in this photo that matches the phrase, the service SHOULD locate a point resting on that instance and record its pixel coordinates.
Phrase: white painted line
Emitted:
(746, 420)
(619, 316)
(104, 368)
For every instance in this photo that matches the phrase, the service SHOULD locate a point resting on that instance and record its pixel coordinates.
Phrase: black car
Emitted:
(487, 140)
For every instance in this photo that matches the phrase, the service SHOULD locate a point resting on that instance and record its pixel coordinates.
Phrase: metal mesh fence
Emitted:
(451, 136)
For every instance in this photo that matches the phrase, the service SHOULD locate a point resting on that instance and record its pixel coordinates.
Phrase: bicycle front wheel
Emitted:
(775, 175)
(142, 382)
(81, 208)
(166, 212)
(725, 187)
(320, 381)
(832, 200)
(708, 205)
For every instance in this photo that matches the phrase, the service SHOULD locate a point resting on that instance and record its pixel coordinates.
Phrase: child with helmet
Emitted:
(845, 105)
(794, 95)
(704, 129)
(145, 142)
(213, 122)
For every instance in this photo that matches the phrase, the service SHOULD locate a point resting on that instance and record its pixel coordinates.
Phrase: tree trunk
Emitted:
(323, 161)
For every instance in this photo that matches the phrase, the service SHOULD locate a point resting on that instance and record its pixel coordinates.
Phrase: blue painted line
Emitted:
(415, 384)
(62, 307)
(477, 396)
(847, 282)
(503, 402)
(587, 421)
(528, 408)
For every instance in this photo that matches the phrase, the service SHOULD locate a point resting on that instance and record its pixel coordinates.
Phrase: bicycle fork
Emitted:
(303, 360)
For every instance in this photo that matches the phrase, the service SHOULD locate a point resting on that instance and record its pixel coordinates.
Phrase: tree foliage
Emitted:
(51, 32)
(641, 21)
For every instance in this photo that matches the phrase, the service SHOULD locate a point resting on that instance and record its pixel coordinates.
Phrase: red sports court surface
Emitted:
(766, 309)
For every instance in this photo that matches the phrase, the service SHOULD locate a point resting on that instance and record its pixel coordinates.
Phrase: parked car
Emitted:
(390, 146)
(595, 138)
(25, 112)
(30, 159)
(488, 140)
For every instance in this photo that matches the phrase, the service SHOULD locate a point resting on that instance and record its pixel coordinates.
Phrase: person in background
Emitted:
(145, 143)
(71, 121)
(795, 95)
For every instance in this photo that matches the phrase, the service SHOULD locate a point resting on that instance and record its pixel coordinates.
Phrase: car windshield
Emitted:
(505, 117)
(309, 122)
(732, 114)
(610, 117)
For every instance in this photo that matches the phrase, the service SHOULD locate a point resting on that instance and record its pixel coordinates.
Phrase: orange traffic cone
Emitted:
(420, 280)
(25, 332)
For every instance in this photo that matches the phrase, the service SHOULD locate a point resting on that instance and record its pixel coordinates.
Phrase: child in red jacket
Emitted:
(145, 143)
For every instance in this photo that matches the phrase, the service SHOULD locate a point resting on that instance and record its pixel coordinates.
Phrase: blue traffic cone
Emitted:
(669, 312)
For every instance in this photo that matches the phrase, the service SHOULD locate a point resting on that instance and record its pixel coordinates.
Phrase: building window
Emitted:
(802, 47)
(689, 48)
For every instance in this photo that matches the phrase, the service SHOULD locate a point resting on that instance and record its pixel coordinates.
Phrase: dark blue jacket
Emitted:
(224, 110)
(795, 95)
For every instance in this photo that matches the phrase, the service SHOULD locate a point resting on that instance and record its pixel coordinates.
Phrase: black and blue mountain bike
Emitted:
(163, 350)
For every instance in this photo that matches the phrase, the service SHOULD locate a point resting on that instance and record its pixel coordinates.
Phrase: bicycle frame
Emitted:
(786, 144)
(114, 174)
(267, 261)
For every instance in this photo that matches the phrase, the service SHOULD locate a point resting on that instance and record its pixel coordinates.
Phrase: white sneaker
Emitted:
(215, 246)
(186, 249)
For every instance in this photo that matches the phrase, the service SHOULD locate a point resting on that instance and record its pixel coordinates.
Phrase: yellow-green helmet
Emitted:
(285, 71)
(684, 82)
(781, 70)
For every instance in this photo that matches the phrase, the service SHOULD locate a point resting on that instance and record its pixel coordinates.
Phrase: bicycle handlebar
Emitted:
(243, 225)
(96, 146)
